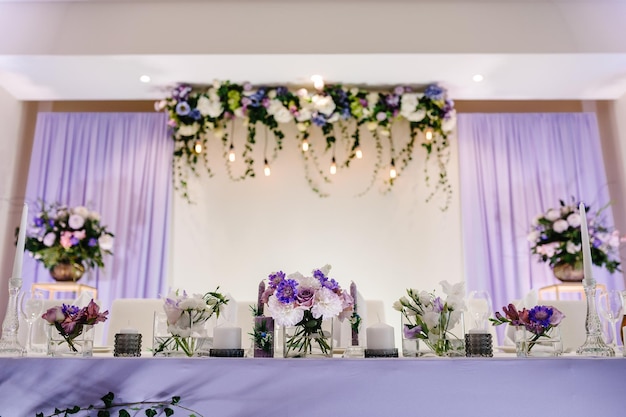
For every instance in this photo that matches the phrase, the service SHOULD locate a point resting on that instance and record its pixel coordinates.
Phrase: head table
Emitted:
(247, 387)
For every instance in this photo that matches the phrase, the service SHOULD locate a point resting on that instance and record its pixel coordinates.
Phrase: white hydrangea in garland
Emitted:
(198, 113)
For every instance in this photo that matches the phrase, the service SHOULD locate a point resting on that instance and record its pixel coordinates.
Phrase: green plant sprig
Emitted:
(150, 408)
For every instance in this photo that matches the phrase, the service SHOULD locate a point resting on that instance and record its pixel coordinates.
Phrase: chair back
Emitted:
(137, 313)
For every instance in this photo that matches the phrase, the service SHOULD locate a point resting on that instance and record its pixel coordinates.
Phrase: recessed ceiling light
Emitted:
(144, 78)
(478, 78)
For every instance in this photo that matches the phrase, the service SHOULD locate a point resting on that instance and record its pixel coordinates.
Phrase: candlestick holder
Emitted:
(9, 345)
(594, 343)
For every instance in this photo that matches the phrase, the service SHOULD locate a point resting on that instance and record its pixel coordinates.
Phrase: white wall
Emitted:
(238, 233)
(11, 113)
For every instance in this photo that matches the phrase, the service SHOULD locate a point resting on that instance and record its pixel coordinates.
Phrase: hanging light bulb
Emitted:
(429, 134)
(358, 152)
(305, 145)
(392, 171)
(333, 166)
(266, 169)
(197, 147)
(231, 153)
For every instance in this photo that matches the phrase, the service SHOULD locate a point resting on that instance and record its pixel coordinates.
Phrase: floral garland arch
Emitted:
(197, 113)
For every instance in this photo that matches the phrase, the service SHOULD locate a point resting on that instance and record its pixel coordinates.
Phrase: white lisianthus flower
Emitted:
(105, 242)
(284, 314)
(572, 248)
(453, 290)
(49, 239)
(308, 282)
(431, 319)
(455, 318)
(425, 298)
(326, 269)
(188, 130)
(456, 303)
(560, 226)
(81, 211)
(296, 276)
(448, 124)
(573, 220)
(325, 105)
(553, 215)
(397, 305)
(327, 304)
(76, 221)
(283, 115)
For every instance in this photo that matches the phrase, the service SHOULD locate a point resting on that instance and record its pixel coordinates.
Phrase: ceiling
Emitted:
(79, 65)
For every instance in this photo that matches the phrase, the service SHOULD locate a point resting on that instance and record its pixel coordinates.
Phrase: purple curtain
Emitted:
(514, 167)
(118, 164)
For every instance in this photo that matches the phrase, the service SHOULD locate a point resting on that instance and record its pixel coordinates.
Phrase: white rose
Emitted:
(572, 248)
(213, 95)
(81, 211)
(560, 226)
(409, 102)
(283, 115)
(325, 105)
(275, 106)
(372, 99)
(533, 236)
(449, 123)
(215, 108)
(76, 221)
(413, 116)
(106, 242)
(49, 239)
(203, 105)
(188, 130)
(304, 115)
(553, 215)
(271, 94)
(573, 220)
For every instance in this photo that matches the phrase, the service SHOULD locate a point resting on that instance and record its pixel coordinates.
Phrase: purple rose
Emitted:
(53, 315)
(305, 297)
(556, 317)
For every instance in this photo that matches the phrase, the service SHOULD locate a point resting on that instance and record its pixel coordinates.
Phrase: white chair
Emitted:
(137, 313)
(573, 332)
(245, 320)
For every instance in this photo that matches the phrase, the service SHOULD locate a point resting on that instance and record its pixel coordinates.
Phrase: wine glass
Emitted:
(611, 306)
(31, 306)
(479, 308)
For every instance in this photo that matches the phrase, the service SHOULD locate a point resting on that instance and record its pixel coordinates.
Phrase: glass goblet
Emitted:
(479, 309)
(31, 306)
(611, 307)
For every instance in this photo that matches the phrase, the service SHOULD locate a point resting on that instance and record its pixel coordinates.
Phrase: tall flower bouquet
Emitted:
(306, 302)
(68, 235)
(430, 318)
(70, 321)
(555, 238)
(186, 318)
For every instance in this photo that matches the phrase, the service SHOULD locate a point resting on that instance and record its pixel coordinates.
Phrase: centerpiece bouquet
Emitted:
(555, 238)
(533, 327)
(186, 318)
(72, 323)
(428, 317)
(67, 240)
(302, 306)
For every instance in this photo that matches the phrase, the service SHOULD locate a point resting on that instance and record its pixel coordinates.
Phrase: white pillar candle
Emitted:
(19, 250)
(584, 241)
(380, 336)
(227, 337)
(129, 330)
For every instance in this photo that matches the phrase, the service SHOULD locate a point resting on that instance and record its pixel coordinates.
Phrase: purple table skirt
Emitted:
(316, 387)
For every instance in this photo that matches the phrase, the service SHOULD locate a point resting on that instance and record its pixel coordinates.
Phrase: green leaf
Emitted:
(104, 413)
(175, 399)
(168, 411)
(108, 400)
(39, 415)
(150, 412)
(73, 410)
(124, 413)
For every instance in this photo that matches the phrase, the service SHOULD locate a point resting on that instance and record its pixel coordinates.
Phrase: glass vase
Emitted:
(528, 344)
(263, 337)
(310, 338)
(166, 344)
(442, 341)
(81, 345)
(410, 340)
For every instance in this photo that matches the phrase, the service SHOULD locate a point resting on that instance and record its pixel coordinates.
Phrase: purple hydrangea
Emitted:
(286, 292)
(434, 92)
(319, 119)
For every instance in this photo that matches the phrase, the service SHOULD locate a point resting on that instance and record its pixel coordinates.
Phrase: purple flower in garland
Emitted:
(434, 92)
(38, 221)
(281, 91)
(181, 92)
(182, 108)
(286, 292)
(195, 114)
(92, 242)
(319, 119)
(392, 100)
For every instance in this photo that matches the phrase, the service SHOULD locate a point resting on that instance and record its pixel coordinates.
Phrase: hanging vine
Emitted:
(196, 111)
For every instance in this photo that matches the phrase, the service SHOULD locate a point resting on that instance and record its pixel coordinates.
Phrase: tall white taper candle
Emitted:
(584, 238)
(19, 250)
